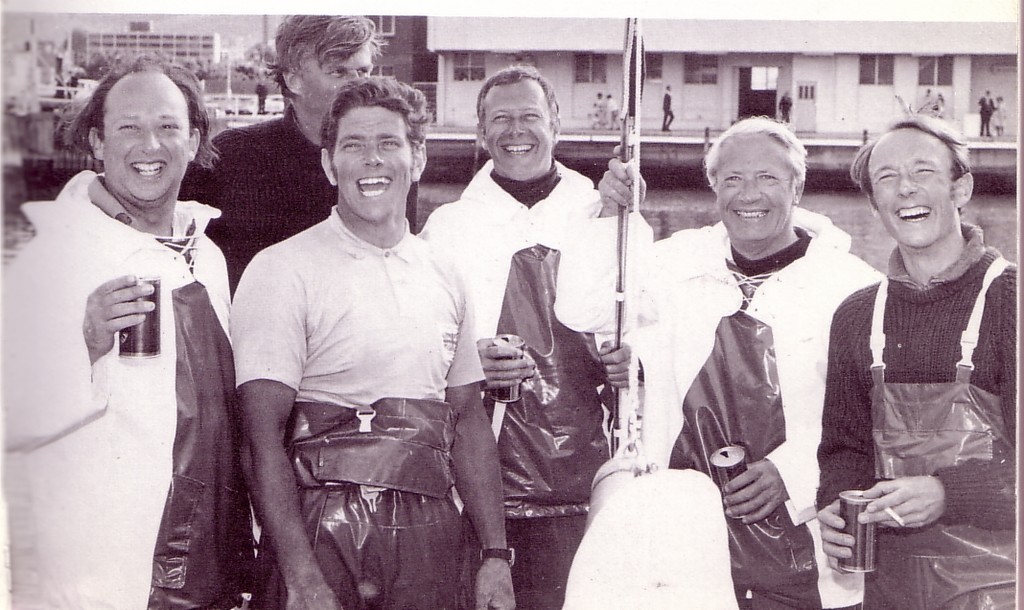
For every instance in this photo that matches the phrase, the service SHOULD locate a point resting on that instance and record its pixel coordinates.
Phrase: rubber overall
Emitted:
(919, 428)
(736, 400)
(207, 500)
(375, 494)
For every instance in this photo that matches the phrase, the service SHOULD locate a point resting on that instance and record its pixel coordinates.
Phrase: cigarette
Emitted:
(895, 516)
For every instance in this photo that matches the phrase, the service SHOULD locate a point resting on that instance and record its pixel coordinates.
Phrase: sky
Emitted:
(869, 10)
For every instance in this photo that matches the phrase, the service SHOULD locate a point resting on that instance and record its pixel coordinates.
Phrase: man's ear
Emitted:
(96, 142)
(961, 191)
(194, 137)
(293, 82)
(325, 162)
(480, 135)
(419, 161)
(798, 193)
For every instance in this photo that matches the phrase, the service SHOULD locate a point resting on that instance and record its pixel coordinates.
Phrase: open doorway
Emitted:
(757, 91)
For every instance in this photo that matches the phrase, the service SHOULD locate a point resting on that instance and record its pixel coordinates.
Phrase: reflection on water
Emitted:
(669, 210)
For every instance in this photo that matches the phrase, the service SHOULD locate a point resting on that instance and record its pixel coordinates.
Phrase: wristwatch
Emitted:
(508, 555)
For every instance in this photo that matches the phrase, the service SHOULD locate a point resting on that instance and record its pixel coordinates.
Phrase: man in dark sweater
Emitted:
(269, 183)
(920, 400)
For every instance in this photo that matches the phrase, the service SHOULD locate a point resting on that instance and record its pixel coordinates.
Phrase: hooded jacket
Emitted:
(93, 443)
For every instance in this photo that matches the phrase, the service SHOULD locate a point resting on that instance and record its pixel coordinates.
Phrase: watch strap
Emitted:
(508, 555)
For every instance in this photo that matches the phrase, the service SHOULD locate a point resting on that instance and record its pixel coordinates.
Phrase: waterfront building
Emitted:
(843, 77)
(139, 38)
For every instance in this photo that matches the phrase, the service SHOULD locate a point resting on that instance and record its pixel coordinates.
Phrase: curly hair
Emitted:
(88, 114)
(379, 92)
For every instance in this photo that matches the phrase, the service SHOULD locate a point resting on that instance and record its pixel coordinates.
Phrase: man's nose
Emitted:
(150, 139)
(907, 184)
(749, 192)
(373, 157)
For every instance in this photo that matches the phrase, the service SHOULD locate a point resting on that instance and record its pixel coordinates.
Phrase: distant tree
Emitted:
(253, 64)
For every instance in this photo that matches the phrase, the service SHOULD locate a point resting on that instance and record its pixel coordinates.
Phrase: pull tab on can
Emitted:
(365, 417)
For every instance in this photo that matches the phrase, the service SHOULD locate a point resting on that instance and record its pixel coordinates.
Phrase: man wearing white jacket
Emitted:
(135, 493)
(733, 339)
(505, 233)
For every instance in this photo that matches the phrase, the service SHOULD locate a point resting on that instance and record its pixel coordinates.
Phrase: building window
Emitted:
(385, 24)
(876, 69)
(764, 78)
(805, 92)
(591, 68)
(469, 66)
(652, 65)
(700, 69)
(935, 70)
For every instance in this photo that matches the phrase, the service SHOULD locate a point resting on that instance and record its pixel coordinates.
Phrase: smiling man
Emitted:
(921, 402)
(137, 497)
(733, 345)
(359, 382)
(505, 233)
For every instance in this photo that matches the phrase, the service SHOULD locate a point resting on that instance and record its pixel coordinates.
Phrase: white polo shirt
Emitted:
(345, 322)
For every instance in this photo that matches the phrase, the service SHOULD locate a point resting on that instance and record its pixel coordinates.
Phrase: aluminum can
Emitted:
(865, 540)
(511, 393)
(728, 463)
(143, 339)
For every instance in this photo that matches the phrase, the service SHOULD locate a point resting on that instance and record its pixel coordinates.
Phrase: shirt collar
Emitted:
(357, 247)
(974, 249)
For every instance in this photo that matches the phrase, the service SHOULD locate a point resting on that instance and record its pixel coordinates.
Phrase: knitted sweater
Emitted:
(268, 185)
(922, 328)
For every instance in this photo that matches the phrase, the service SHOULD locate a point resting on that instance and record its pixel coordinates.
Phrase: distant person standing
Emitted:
(269, 183)
(261, 97)
(986, 107)
(613, 112)
(999, 117)
(785, 106)
(666, 108)
(598, 114)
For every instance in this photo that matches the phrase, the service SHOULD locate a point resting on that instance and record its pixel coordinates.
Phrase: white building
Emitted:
(139, 39)
(843, 77)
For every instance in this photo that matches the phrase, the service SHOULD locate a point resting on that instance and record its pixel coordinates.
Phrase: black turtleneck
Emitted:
(774, 262)
(529, 192)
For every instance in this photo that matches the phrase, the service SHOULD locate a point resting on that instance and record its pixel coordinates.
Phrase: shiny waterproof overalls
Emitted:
(918, 429)
(551, 441)
(204, 550)
(736, 400)
(375, 493)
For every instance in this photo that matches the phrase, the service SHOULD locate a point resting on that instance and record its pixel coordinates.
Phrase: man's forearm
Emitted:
(477, 471)
(265, 407)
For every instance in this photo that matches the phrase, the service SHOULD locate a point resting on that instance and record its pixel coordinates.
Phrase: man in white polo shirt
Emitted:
(353, 349)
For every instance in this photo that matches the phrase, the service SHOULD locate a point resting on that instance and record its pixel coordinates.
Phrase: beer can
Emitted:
(865, 541)
(728, 463)
(510, 393)
(143, 339)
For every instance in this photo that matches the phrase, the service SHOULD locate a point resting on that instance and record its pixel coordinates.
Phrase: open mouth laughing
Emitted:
(914, 214)
(517, 149)
(148, 170)
(750, 214)
(373, 187)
